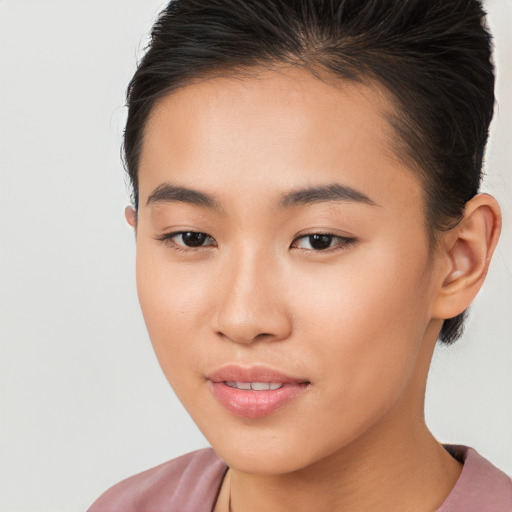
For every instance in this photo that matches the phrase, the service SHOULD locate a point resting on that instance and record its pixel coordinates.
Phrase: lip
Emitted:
(234, 372)
(254, 404)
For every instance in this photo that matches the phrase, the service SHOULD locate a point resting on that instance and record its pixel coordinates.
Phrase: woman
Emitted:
(308, 224)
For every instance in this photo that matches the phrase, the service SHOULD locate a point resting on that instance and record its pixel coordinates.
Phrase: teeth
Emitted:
(255, 386)
(260, 386)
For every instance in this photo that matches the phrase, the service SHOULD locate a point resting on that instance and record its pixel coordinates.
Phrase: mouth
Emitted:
(254, 392)
(255, 386)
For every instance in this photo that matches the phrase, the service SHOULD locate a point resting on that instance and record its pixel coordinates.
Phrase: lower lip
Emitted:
(255, 404)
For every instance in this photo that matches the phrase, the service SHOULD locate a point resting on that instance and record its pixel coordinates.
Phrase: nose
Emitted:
(251, 305)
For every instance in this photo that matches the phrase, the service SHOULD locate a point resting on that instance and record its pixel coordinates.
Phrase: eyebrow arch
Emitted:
(332, 192)
(168, 193)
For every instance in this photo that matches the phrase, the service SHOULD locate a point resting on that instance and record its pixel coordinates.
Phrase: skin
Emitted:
(358, 321)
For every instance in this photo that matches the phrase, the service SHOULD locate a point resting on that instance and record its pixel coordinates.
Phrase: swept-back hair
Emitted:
(432, 56)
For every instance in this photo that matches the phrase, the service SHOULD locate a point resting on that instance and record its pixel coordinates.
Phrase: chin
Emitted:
(267, 453)
(264, 462)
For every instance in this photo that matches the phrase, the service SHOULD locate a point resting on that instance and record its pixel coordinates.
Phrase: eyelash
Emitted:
(168, 239)
(342, 242)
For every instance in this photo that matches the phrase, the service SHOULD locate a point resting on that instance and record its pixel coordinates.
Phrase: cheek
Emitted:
(175, 301)
(370, 318)
(370, 293)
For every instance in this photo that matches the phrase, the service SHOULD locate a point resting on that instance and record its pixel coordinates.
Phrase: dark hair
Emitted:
(433, 56)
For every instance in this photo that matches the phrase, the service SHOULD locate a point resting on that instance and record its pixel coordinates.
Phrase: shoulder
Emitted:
(481, 487)
(187, 484)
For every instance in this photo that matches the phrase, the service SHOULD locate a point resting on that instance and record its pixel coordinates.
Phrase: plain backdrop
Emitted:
(83, 403)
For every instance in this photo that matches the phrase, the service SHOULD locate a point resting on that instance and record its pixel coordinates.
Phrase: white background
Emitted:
(82, 399)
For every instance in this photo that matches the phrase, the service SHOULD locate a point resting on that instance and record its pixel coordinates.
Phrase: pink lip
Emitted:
(249, 403)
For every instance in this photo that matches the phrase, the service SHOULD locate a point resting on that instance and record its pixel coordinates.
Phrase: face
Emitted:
(281, 247)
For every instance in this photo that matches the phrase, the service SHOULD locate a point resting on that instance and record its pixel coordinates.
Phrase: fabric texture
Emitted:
(191, 483)
(187, 484)
(481, 486)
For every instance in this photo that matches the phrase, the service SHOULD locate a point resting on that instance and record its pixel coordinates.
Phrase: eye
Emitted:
(188, 239)
(322, 242)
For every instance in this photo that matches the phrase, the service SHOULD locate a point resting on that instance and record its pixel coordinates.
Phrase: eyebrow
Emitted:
(331, 192)
(168, 193)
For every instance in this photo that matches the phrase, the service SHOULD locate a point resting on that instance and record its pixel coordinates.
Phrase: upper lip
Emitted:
(235, 373)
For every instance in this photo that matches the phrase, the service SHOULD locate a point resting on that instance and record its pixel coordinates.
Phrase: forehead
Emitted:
(270, 128)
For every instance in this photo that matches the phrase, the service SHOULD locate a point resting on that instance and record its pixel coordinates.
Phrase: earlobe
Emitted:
(470, 246)
(131, 216)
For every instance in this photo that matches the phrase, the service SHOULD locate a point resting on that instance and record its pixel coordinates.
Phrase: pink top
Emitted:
(192, 482)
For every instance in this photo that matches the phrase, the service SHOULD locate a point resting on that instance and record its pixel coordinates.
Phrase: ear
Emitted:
(468, 248)
(130, 215)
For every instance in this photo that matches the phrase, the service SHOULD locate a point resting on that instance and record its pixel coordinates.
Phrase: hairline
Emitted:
(393, 114)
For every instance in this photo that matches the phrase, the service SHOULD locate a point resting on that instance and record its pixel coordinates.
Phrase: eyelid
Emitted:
(343, 242)
(168, 239)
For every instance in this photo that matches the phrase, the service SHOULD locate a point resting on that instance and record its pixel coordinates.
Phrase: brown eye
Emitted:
(319, 242)
(193, 238)
(187, 239)
(322, 242)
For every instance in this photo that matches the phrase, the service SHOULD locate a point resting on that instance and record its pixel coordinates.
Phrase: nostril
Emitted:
(262, 336)
(245, 337)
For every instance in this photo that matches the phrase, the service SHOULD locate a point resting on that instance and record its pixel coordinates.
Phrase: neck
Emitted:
(381, 475)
